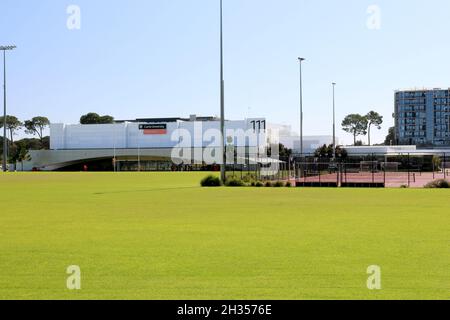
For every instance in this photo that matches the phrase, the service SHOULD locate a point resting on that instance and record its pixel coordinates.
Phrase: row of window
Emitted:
(422, 115)
(441, 93)
(418, 108)
(412, 134)
(412, 121)
(442, 142)
(444, 121)
(442, 108)
(441, 101)
(413, 128)
(441, 130)
(408, 95)
(413, 115)
(412, 102)
(411, 108)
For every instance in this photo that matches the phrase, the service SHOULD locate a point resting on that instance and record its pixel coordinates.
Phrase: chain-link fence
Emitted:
(373, 170)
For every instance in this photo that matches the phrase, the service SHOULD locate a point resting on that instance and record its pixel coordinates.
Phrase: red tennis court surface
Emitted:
(390, 179)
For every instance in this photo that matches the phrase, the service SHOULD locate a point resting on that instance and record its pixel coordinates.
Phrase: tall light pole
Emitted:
(334, 121)
(222, 100)
(300, 60)
(5, 145)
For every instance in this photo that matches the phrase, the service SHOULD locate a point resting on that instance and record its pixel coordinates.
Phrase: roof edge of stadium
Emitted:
(168, 120)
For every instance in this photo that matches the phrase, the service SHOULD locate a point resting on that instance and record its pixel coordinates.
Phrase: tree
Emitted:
(341, 153)
(390, 138)
(35, 144)
(1, 145)
(95, 118)
(324, 152)
(327, 152)
(106, 119)
(90, 118)
(373, 119)
(355, 124)
(36, 126)
(20, 153)
(284, 151)
(12, 124)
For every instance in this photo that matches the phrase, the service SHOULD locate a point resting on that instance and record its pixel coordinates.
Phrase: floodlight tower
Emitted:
(300, 60)
(5, 144)
(222, 99)
(334, 121)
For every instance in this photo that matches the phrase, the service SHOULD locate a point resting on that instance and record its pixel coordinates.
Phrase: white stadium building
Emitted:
(148, 144)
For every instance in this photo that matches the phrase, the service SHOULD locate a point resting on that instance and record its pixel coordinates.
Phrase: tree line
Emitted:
(35, 126)
(18, 150)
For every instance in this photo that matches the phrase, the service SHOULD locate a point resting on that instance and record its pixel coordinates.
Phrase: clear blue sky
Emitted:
(151, 58)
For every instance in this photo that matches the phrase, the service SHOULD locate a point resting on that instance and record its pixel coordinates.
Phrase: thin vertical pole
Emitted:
(334, 122)
(434, 169)
(345, 168)
(445, 166)
(289, 173)
(222, 98)
(301, 108)
(5, 145)
(256, 167)
(373, 169)
(139, 159)
(114, 151)
(409, 170)
(320, 177)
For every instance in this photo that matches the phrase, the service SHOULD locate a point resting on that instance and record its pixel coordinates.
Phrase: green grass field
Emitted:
(160, 236)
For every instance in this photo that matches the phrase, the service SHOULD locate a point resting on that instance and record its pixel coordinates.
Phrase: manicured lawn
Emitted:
(160, 236)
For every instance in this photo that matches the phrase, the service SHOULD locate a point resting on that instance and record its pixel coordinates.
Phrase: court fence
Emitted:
(371, 171)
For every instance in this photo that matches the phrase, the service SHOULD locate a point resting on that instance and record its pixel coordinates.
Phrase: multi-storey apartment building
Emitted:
(422, 117)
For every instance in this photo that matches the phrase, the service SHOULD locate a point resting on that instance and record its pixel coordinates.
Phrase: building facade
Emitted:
(145, 144)
(422, 117)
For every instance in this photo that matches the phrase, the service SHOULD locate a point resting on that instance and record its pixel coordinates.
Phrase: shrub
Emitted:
(288, 184)
(253, 184)
(248, 178)
(278, 184)
(404, 186)
(268, 184)
(235, 183)
(438, 184)
(211, 181)
(259, 184)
